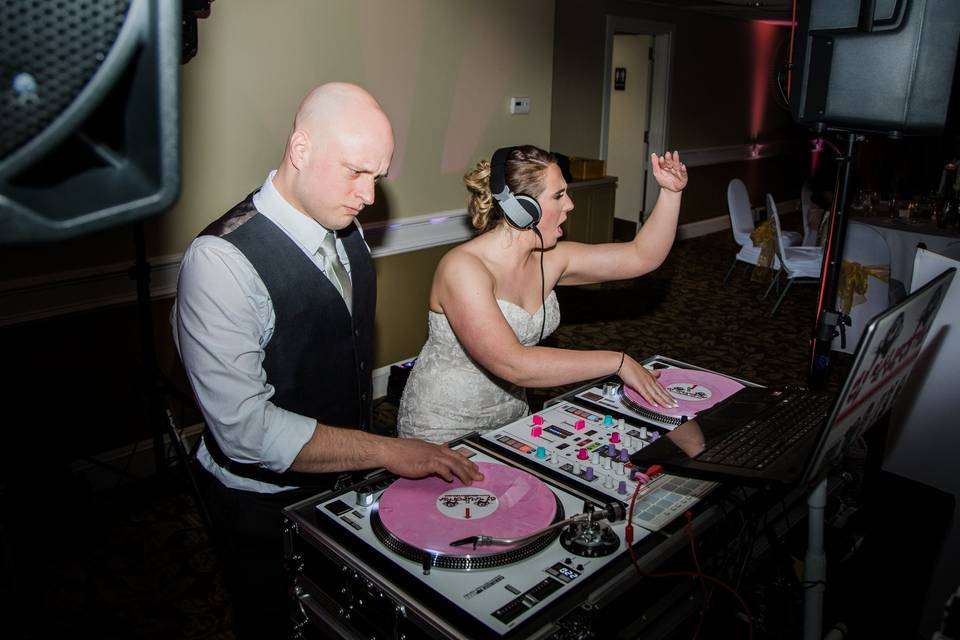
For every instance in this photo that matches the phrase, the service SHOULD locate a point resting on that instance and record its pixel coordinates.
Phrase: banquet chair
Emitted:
(801, 264)
(866, 257)
(741, 224)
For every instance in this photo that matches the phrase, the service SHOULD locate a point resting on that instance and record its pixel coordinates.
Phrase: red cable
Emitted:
(628, 534)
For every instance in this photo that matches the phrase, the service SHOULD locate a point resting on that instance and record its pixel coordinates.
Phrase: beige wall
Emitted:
(442, 70)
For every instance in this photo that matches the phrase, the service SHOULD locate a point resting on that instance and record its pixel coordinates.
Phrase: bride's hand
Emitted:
(670, 173)
(645, 382)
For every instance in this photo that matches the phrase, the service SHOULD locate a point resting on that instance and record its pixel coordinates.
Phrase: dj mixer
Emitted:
(523, 553)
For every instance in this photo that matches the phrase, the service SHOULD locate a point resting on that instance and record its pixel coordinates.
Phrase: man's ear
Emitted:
(299, 148)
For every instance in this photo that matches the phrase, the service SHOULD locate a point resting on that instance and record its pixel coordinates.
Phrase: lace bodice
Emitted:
(448, 394)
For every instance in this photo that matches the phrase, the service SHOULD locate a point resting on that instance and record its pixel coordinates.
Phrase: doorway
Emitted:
(634, 119)
(629, 98)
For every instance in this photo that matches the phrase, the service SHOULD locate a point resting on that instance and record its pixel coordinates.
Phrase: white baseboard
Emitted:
(718, 223)
(702, 227)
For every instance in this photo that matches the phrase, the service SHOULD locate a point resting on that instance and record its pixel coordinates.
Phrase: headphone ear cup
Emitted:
(532, 207)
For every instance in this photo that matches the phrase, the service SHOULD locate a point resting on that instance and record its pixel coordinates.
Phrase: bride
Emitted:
(492, 299)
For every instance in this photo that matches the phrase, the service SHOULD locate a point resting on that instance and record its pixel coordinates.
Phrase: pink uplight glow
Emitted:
(815, 150)
(764, 37)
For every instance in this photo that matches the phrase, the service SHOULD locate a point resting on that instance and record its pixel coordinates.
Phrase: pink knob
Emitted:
(615, 437)
(536, 431)
(538, 420)
(582, 454)
(579, 425)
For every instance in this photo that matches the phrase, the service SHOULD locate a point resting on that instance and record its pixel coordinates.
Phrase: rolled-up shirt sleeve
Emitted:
(222, 321)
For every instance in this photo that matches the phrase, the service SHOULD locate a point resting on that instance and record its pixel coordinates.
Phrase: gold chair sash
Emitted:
(853, 282)
(763, 236)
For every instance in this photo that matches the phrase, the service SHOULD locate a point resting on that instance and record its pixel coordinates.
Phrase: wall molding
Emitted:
(57, 294)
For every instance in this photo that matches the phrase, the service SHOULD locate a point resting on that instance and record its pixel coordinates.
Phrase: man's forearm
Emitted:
(332, 449)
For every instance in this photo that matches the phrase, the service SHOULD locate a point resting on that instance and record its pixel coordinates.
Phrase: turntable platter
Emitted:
(419, 518)
(694, 391)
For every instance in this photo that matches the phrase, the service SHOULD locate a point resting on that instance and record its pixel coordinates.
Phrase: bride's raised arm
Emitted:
(589, 263)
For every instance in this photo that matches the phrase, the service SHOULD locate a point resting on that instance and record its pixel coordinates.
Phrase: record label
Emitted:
(692, 392)
(465, 503)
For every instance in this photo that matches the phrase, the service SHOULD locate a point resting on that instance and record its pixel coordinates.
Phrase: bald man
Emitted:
(274, 323)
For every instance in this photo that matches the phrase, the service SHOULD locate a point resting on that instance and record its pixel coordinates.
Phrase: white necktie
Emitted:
(334, 268)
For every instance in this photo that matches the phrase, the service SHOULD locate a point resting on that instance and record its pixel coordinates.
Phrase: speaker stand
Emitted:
(829, 320)
(155, 386)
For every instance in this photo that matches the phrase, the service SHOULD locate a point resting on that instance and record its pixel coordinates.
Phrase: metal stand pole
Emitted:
(815, 564)
(828, 318)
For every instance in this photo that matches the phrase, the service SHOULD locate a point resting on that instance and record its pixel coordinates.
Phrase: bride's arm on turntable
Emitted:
(332, 449)
(464, 290)
(589, 263)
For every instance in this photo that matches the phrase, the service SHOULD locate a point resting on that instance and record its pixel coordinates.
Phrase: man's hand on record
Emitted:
(412, 458)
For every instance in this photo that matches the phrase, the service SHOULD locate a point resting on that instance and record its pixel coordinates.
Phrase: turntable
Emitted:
(506, 551)
(693, 388)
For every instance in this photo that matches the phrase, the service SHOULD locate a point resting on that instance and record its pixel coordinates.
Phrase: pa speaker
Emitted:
(875, 65)
(89, 114)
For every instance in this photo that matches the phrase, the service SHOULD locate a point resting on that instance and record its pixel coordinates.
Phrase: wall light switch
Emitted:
(519, 104)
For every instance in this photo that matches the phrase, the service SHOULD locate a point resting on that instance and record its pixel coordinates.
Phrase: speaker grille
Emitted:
(49, 51)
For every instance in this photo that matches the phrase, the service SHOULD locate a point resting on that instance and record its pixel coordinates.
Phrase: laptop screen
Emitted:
(888, 349)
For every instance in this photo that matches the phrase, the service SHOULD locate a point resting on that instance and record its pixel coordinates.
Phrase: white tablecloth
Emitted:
(902, 237)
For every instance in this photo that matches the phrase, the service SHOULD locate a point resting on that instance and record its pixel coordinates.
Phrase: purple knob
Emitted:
(624, 455)
(588, 474)
(622, 488)
(654, 435)
(611, 450)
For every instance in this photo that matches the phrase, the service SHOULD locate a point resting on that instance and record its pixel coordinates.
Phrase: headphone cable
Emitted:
(543, 288)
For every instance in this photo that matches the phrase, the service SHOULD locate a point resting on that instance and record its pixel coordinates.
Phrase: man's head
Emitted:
(341, 143)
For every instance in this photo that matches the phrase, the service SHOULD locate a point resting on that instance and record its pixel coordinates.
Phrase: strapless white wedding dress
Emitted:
(448, 394)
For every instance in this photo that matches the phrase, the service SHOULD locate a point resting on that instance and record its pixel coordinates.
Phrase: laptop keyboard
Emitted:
(758, 443)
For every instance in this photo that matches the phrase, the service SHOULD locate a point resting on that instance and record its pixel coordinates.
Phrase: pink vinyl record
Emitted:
(429, 513)
(694, 391)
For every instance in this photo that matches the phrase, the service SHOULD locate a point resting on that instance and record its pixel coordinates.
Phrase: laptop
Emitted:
(790, 434)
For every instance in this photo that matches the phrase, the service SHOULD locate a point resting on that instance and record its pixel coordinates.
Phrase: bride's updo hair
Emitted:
(525, 169)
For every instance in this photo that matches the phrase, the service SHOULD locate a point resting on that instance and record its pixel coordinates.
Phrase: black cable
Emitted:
(543, 288)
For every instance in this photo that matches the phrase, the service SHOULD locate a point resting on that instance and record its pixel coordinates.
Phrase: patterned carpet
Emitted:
(135, 562)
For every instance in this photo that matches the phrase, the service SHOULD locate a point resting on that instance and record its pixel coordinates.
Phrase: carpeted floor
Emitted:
(135, 562)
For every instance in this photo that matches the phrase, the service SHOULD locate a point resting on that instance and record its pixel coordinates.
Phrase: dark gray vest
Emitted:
(319, 357)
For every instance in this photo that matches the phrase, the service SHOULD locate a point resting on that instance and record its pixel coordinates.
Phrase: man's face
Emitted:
(338, 174)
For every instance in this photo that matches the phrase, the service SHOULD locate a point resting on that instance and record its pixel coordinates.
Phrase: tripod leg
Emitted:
(185, 458)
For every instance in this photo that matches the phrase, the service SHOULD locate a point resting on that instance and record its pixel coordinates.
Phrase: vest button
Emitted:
(363, 396)
(356, 332)
(363, 365)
